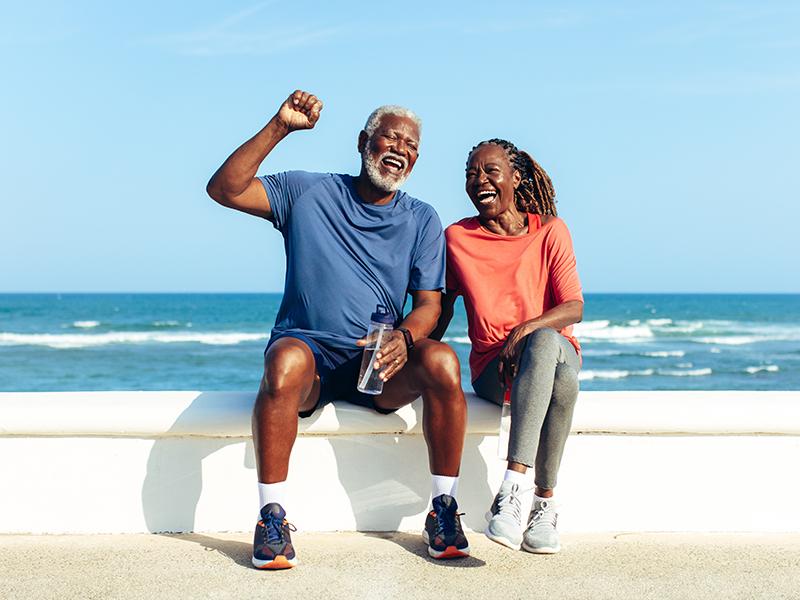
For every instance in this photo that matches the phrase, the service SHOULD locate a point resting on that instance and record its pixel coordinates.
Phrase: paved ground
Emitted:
(395, 565)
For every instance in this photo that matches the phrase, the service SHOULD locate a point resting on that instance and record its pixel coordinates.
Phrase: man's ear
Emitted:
(517, 178)
(362, 141)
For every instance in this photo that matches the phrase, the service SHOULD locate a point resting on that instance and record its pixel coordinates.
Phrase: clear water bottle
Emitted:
(380, 326)
(505, 426)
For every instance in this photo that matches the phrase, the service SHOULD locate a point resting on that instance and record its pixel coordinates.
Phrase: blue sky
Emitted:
(670, 130)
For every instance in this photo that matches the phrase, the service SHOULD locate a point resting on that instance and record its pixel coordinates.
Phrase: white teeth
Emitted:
(486, 194)
(392, 162)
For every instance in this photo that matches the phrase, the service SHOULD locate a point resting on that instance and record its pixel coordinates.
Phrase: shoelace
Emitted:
(543, 516)
(445, 525)
(274, 529)
(511, 504)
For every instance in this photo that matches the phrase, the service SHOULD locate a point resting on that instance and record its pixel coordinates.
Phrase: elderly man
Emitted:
(351, 243)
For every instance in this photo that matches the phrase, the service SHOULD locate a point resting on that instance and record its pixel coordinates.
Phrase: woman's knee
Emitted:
(565, 385)
(542, 341)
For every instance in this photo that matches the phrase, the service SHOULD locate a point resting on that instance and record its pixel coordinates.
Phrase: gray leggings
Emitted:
(542, 402)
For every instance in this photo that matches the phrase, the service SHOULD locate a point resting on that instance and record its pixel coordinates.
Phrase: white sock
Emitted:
(272, 492)
(538, 500)
(516, 477)
(442, 484)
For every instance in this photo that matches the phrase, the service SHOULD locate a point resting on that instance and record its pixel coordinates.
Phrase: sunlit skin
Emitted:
(490, 184)
(290, 383)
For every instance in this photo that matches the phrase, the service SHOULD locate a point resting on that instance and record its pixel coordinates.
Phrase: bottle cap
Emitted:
(382, 315)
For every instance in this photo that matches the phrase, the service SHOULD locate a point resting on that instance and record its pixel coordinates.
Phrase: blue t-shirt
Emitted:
(345, 256)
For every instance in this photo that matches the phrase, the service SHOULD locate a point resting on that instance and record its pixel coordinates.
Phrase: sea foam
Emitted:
(126, 337)
(762, 368)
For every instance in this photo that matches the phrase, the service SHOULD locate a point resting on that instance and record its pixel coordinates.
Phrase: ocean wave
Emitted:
(166, 323)
(612, 333)
(64, 341)
(665, 354)
(85, 324)
(612, 374)
(762, 368)
(459, 339)
(659, 322)
(689, 373)
(731, 340)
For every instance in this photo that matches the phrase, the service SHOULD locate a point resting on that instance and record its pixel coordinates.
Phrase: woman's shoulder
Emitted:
(462, 226)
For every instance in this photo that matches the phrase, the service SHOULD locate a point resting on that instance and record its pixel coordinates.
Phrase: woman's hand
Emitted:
(510, 354)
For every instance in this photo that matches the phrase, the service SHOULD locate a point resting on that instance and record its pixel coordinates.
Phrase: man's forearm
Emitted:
(422, 320)
(236, 173)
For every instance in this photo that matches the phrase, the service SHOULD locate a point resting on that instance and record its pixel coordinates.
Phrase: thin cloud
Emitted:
(235, 35)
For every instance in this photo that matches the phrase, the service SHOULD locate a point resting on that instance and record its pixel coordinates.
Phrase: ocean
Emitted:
(70, 342)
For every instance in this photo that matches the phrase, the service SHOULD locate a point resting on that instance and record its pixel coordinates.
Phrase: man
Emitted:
(352, 243)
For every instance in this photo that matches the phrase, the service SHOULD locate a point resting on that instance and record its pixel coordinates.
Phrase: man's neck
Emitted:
(369, 193)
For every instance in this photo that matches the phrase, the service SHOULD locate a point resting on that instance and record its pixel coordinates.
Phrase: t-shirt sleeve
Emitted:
(428, 266)
(564, 279)
(283, 189)
(452, 285)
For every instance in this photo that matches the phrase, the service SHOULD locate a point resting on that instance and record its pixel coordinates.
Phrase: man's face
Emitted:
(388, 156)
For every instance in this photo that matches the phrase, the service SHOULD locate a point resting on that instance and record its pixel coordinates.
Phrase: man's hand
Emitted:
(299, 111)
(392, 356)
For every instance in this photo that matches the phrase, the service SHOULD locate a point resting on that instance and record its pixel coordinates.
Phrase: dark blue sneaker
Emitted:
(272, 542)
(443, 532)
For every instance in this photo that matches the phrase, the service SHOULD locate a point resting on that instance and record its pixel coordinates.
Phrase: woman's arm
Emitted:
(558, 317)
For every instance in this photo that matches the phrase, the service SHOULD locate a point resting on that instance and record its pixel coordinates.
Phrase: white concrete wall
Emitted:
(182, 461)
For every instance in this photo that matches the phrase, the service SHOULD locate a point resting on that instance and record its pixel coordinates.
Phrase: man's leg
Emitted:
(290, 385)
(433, 372)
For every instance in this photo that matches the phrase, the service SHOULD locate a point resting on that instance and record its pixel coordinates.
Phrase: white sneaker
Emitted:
(505, 517)
(541, 536)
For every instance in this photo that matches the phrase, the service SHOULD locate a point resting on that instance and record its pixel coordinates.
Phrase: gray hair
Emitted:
(390, 109)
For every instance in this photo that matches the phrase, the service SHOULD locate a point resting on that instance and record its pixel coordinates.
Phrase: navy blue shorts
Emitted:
(338, 372)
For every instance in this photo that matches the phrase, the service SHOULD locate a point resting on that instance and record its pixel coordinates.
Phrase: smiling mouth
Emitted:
(393, 164)
(486, 197)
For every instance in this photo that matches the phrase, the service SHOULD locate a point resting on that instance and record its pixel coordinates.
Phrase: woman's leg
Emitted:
(542, 402)
(556, 428)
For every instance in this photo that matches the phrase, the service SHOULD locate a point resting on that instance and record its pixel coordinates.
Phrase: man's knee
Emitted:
(288, 367)
(439, 364)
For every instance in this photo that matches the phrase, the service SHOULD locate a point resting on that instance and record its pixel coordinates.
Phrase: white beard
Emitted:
(385, 183)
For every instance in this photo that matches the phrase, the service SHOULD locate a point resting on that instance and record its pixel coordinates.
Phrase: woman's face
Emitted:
(491, 181)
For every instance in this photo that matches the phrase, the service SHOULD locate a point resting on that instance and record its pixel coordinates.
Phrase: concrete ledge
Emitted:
(227, 414)
(112, 462)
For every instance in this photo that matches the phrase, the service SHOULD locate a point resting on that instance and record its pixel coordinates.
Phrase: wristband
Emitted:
(407, 337)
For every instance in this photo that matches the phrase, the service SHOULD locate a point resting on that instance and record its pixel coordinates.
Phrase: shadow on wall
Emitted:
(174, 480)
(402, 489)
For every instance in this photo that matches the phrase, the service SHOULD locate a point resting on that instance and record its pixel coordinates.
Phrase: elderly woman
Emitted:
(514, 265)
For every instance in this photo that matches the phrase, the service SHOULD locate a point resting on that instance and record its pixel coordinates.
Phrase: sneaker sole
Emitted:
(500, 540)
(447, 553)
(277, 563)
(544, 550)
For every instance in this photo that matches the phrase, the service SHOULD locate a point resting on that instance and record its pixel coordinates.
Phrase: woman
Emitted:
(515, 267)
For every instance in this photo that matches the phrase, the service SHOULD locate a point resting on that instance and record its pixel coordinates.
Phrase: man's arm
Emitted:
(448, 304)
(234, 184)
(425, 310)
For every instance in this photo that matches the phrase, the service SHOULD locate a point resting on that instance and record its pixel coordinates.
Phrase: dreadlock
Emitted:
(535, 193)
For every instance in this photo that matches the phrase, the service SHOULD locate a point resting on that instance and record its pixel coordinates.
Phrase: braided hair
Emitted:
(535, 193)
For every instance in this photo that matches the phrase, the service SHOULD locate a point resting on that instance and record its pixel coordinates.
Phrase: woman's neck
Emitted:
(511, 223)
